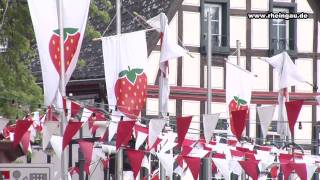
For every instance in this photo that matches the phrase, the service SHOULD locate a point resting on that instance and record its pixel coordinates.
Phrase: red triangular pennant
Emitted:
(124, 132)
(251, 168)
(183, 124)
(71, 129)
(239, 121)
(86, 149)
(300, 169)
(293, 110)
(194, 165)
(135, 159)
(22, 127)
(25, 141)
(274, 172)
(286, 169)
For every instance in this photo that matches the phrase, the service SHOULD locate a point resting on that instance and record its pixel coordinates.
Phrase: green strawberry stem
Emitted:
(239, 101)
(66, 31)
(131, 74)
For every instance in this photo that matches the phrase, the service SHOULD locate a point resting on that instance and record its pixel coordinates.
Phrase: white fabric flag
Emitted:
(169, 50)
(238, 90)
(167, 161)
(3, 123)
(49, 128)
(223, 167)
(209, 125)
(265, 116)
(141, 137)
(125, 57)
(86, 114)
(145, 162)
(289, 75)
(155, 129)
(56, 143)
(113, 126)
(44, 15)
(311, 168)
(200, 153)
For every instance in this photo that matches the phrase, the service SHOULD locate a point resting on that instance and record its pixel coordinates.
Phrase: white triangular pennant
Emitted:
(155, 128)
(86, 114)
(49, 128)
(167, 162)
(223, 167)
(113, 126)
(209, 125)
(141, 137)
(56, 143)
(3, 123)
(265, 116)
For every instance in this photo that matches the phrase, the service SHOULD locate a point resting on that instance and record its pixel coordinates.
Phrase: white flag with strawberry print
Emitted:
(238, 90)
(125, 56)
(44, 16)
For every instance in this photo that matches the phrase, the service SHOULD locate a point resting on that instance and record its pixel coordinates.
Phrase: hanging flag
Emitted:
(209, 125)
(49, 128)
(251, 168)
(141, 134)
(71, 129)
(86, 149)
(300, 169)
(56, 143)
(265, 116)
(223, 167)
(169, 50)
(293, 109)
(135, 159)
(3, 123)
(238, 91)
(124, 132)
(22, 127)
(155, 129)
(124, 59)
(183, 124)
(167, 161)
(194, 165)
(45, 23)
(25, 142)
(289, 75)
(239, 122)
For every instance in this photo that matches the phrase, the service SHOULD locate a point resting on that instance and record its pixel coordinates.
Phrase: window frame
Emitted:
(291, 46)
(224, 48)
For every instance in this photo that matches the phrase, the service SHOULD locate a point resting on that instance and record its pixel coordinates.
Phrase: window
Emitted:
(280, 39)
(219, 10)
(216, 18)
(282, 31)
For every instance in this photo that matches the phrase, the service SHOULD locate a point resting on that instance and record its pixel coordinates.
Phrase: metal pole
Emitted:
(62, 85)
(119, 155)
(207, 171)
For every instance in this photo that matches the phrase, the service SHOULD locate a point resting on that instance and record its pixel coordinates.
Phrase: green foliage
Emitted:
(16, 80)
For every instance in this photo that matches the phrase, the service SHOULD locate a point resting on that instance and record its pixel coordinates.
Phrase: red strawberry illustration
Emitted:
(237, 104)
(71, 38)
(131, 92)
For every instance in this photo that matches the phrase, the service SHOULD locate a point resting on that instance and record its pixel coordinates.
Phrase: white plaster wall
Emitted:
(262, 5)
(152, 106)
(238, 31)
(304, 135)
(191, 71)
(191, 2)
(217, 77)
(303, 6)
(305, 66)
(192, 108)
(305, 35)
(191, 28)
(261, 69)
(221, 108)
(260, 33)
(238, 4)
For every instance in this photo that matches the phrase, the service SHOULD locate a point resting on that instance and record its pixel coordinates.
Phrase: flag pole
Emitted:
(119, 155)
(62, 84)
(207, 171)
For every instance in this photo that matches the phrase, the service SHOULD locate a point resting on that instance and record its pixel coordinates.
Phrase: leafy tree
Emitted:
(17, 50)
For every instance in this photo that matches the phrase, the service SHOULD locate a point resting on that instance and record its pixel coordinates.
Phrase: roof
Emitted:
(91, 51)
